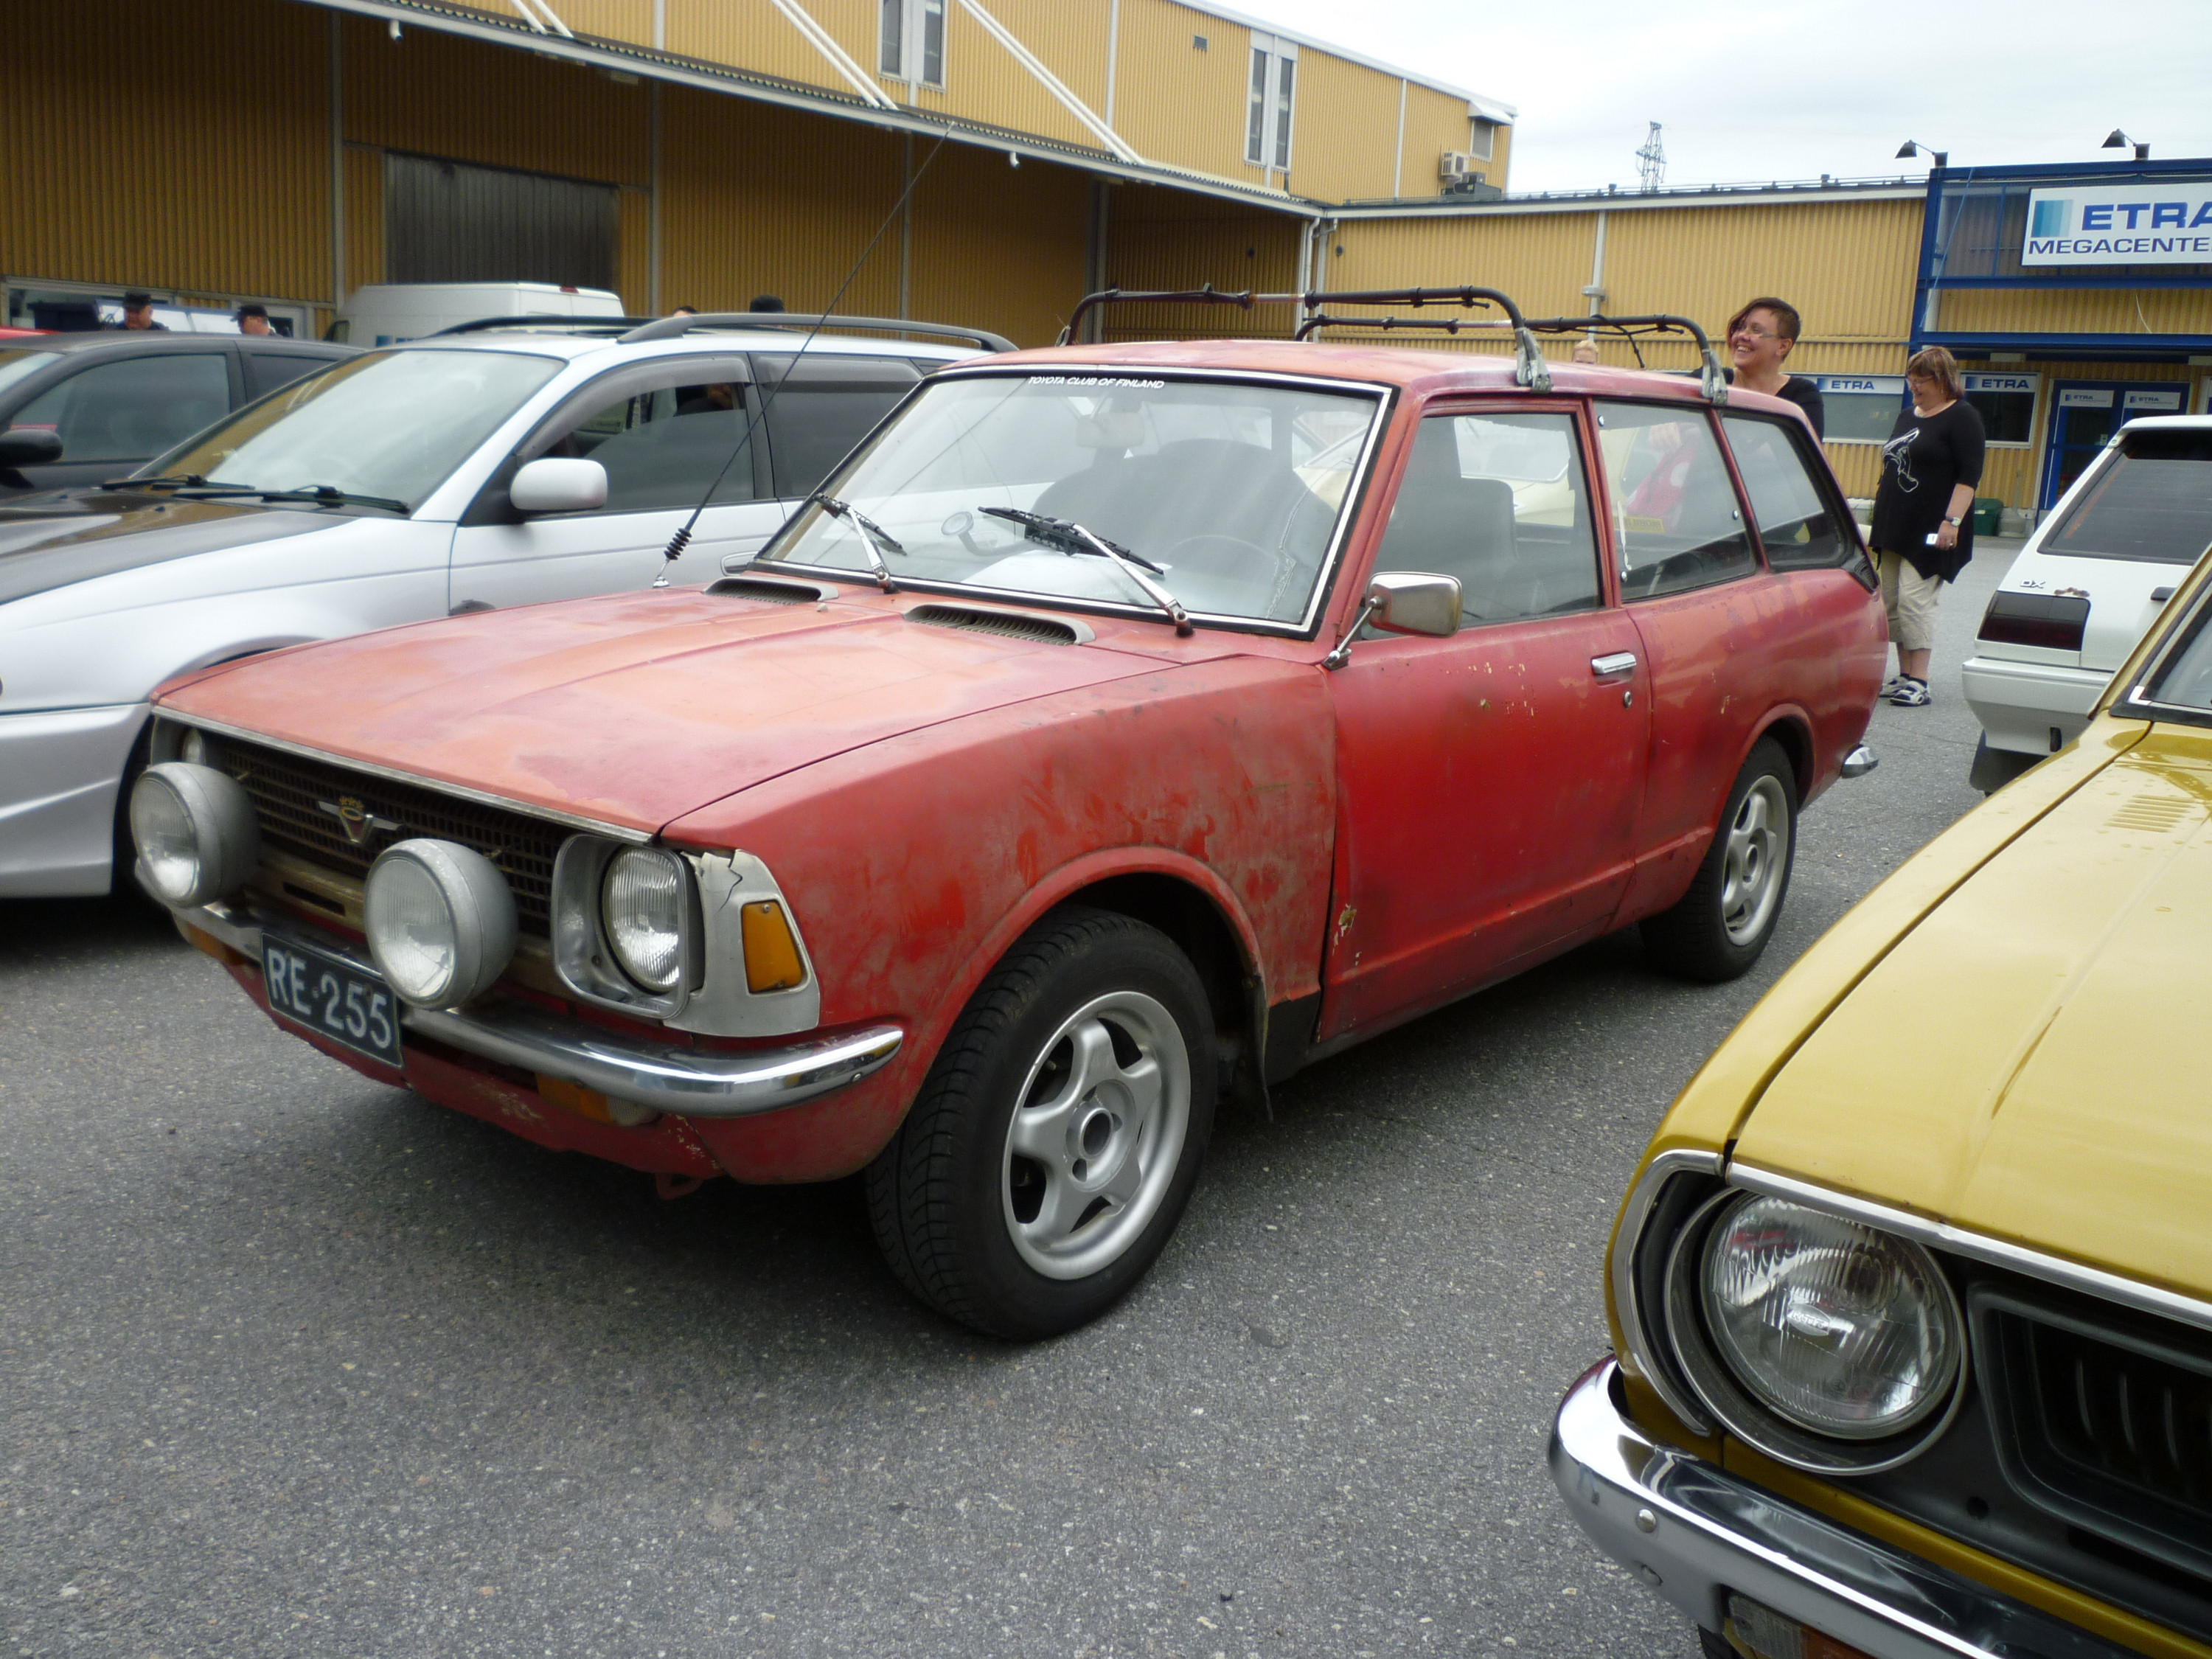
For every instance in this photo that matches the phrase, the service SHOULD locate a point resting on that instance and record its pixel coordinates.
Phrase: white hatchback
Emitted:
(469, 471)
(2087, 586)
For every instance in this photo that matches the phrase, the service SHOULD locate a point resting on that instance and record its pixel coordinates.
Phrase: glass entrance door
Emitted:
(2083, 417)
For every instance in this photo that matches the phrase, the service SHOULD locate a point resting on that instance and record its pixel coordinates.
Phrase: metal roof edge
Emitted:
(470, 23)
(1444, 206)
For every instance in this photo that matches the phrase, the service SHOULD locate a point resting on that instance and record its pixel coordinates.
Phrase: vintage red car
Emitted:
(1122, 727)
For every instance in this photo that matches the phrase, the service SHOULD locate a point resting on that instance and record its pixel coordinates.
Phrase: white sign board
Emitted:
(2161, 402)
(2085, 397)
(1873, 386)
(2026, 383)
(2084, 224)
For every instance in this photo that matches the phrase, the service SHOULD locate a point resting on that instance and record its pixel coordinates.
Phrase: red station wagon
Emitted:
(1119, 727)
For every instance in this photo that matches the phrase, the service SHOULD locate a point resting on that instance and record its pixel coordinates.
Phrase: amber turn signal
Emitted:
(772, 958)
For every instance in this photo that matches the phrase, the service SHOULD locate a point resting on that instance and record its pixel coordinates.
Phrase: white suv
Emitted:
(2087, 586)
(475, 469)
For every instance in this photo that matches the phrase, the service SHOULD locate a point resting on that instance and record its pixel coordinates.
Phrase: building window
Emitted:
(1861, 409)
(1268, 100)
(2006, 403)
(1481, 136)
(910, 39)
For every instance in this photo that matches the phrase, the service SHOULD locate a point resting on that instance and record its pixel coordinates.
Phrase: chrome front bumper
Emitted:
(665, 1076)
(1694, 1532)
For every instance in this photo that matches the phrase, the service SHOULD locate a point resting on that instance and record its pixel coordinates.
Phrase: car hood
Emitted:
(41, 552)
(636, 709)
(2029, 1063)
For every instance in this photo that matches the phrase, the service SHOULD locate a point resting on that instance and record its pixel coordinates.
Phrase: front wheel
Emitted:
(1719, 927)
(1056, 1140)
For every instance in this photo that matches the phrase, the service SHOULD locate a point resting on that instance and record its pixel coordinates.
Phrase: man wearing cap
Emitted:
(252, 318)
(139, 314)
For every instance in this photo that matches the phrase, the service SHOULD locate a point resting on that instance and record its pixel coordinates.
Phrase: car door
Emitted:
(1711, 624)
(1489, 782)
(665, 431)
(119, 411)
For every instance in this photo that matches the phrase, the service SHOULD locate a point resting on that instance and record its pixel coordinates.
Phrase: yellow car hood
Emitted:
(2033, 1060)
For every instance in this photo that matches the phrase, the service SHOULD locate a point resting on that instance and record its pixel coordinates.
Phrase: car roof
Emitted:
(2169, 422)
(126, 341)
(556, 342)
(1426, 371)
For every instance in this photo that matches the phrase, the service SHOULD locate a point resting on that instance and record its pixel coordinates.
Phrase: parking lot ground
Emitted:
(291, 1363)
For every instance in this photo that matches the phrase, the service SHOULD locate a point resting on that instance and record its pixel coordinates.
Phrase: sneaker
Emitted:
(1890, 685)
(1910, 693)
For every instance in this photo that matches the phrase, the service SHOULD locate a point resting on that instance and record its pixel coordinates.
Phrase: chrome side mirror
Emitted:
(1403, 602)
(555, 485)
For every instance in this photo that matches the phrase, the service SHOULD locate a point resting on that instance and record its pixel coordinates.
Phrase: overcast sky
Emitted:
(1795, 88)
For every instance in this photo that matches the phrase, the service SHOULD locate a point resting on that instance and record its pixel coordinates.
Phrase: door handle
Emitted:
(1613, 667)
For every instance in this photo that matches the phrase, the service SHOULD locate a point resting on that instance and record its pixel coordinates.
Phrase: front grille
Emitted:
(2105, 1422)
(289, 793)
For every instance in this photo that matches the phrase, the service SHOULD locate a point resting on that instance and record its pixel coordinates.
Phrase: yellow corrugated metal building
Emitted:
(279, 150)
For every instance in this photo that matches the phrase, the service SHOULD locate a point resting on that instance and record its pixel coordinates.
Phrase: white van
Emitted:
(2088, 585)
(388, 314)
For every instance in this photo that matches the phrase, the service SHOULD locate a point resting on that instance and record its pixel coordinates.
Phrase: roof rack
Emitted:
(610, 325)
(670, 328)
(1529, 368)
(1631, 329)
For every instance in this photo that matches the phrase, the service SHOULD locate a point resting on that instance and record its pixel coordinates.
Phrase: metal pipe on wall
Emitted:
(338, 165)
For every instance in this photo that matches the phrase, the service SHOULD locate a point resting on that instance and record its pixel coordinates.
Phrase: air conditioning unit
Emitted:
(1453, 166)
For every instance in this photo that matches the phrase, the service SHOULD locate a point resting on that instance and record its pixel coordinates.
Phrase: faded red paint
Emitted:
(1431, 817)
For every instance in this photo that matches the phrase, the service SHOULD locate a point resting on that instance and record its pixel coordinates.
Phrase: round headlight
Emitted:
(641, 901)
(195, 834)
(1835, 1327)
(439, 919)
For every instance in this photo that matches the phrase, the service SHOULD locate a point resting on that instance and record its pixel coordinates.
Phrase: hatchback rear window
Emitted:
(2152, 502)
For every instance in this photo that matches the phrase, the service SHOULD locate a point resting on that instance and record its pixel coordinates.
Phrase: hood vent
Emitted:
(1006, 624)
(2159, 814)
(770, 592)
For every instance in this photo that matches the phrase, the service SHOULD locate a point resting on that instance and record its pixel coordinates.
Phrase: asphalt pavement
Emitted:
(293, 1363)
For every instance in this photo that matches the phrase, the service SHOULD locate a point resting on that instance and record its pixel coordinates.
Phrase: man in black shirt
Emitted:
(1760, 337)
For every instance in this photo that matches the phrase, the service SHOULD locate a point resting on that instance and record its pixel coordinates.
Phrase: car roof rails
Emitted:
(1529, 368)
(670, 328)
(1711, 380)
(609, 325)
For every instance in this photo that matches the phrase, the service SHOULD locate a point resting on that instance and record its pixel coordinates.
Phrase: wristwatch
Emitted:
(1955, 523)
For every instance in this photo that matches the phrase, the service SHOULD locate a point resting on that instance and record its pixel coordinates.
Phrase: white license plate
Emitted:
(332, 998)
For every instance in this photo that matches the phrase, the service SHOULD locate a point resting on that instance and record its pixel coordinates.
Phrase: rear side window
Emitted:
(2152, 502)
(1675, 518)
(133, 408)
(1799, 521)
(818, 408)
(1498, 503)
(267, 370)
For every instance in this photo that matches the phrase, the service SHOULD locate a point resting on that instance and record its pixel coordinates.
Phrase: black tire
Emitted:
(947, 1196)
(1719, 927)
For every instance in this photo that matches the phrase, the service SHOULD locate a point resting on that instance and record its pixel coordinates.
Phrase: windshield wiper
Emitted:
(193, 479)
(872, 536)
(1071, 538)
(329, 495)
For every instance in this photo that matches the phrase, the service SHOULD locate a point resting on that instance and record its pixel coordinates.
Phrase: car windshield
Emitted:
(1226, 494)
(2152, 501)
(19, 365)
(391, 424)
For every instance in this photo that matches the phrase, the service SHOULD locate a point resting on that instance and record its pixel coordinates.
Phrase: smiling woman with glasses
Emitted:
(1758, 337)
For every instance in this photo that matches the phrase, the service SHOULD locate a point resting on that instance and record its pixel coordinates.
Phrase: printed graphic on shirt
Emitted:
(1897, 454)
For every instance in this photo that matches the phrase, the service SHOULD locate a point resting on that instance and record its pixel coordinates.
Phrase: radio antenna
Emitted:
(1651, 160)
(681, 539)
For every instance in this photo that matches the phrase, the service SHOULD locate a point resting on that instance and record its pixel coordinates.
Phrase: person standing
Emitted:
(139, 314)
(1761, 337)
(1922, 535)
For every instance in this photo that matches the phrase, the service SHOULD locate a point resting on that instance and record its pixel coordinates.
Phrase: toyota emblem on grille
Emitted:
(355, 819)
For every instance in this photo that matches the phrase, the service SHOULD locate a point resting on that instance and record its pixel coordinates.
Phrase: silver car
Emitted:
(472, 470)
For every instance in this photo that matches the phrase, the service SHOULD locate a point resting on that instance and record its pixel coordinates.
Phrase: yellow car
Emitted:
(1912, 1295)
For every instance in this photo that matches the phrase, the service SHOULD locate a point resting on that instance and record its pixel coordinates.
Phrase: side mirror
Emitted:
(555, 485)
(29, 446)
(1409, 602)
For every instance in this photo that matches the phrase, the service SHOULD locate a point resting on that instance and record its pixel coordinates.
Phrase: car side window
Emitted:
(133, 407)
(663, 435)
(1799, 523)
(818, 408)
(1676, 522)
(267, 370)
(1498, 502)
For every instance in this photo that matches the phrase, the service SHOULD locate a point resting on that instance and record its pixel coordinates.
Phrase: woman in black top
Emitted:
(1759, 338)
(1921, 537)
